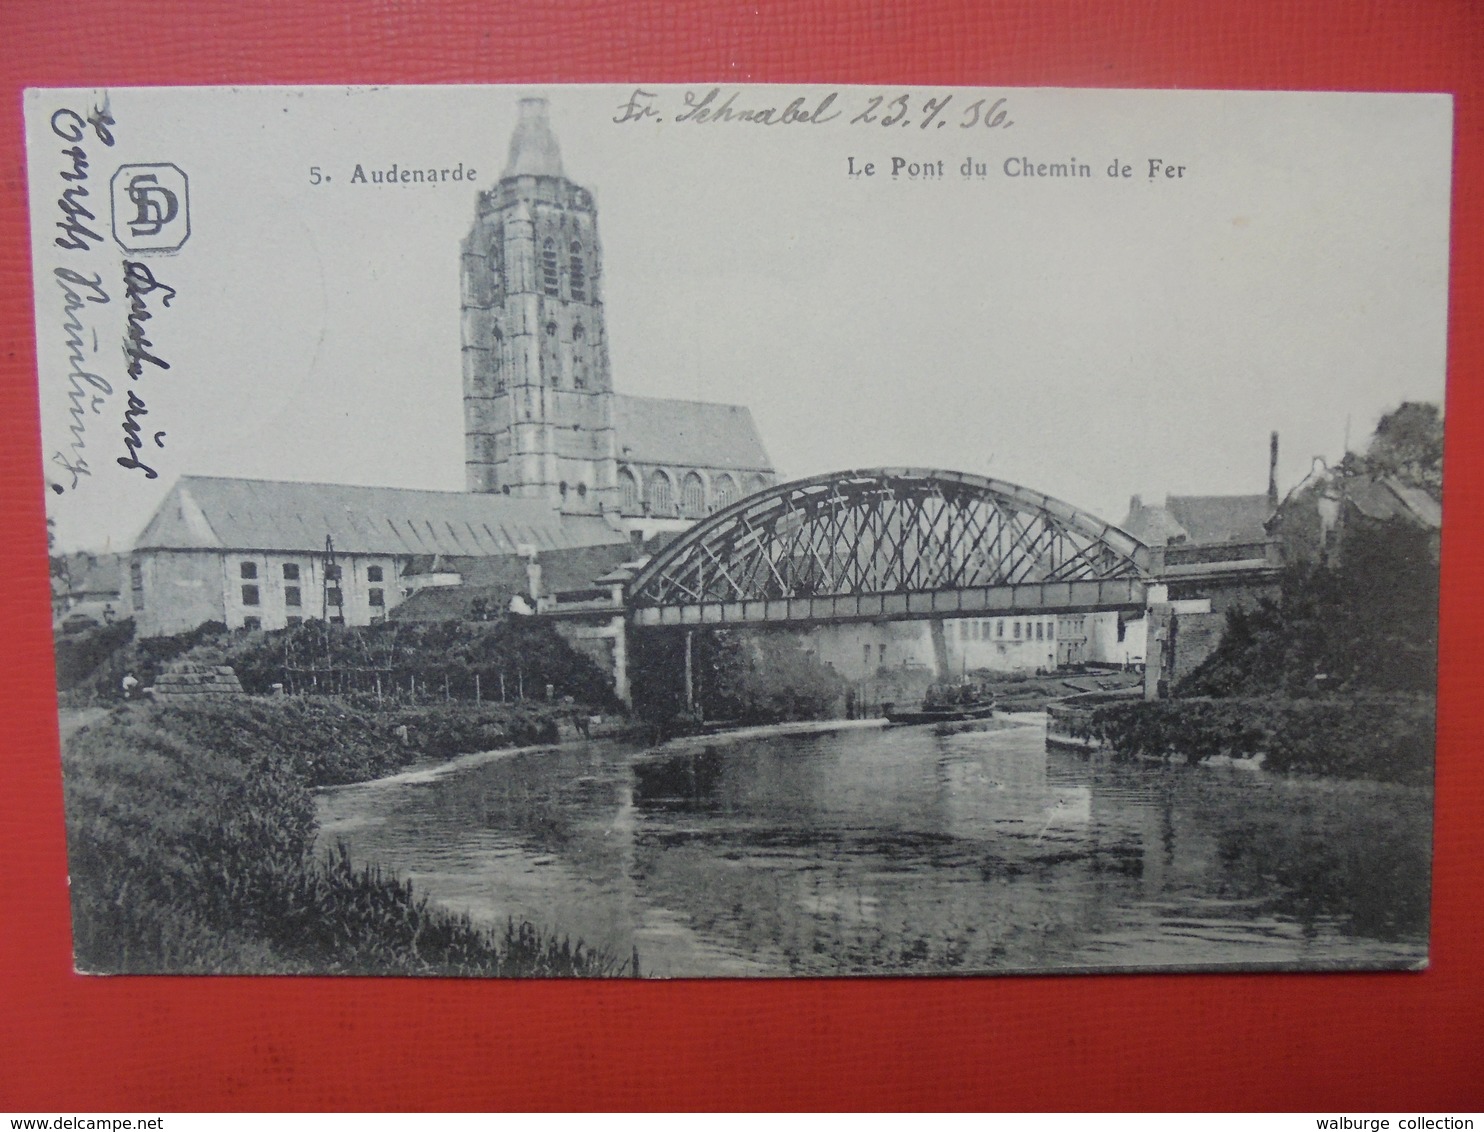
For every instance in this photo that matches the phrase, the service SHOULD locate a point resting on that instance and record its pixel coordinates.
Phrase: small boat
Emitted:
(948, 703)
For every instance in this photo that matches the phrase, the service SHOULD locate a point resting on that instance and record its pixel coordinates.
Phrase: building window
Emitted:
(290, 571)
(693, 495)
(1017, 630)
(549, 268)
(334, 597)
(576, 272)
(1040, 631)
(136, 582)
(1051, 630)
(724, 488)
(866, 655)
(963, 630)
(292, 621)
(252, 624)
(377, 598)
(249, 569)
(291, 596)
(249, 595)
(373, 573)
(658, 494)
(628, 490)
(999, 628)
(880, 654)
(332, 573)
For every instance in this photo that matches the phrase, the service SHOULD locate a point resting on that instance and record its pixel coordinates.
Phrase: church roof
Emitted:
(656, 430)
(533, 147)
(220, 513)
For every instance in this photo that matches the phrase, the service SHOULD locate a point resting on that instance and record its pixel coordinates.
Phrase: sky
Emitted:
(1091, 338)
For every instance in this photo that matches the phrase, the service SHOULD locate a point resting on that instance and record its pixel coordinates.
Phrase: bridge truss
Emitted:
(889, 544)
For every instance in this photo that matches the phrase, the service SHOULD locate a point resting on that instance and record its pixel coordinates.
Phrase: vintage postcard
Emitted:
(721, 530)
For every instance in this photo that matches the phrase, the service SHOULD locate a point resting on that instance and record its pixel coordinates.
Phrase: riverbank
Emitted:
(1386, 737)
(191, 835)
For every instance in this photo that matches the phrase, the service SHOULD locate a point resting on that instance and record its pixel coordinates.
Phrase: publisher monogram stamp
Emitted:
(151, 207)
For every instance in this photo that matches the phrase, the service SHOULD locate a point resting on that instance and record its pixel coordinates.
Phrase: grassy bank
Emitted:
(190, 846)
(1387, 737)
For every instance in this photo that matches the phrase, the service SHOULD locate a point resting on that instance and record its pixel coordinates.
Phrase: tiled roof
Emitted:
(89, 573)
(218, 513)
(1389, 498)
(654, 430)
(1221, 518)
(1153, 526)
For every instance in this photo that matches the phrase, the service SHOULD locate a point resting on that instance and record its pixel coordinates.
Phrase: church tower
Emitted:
(538, 397)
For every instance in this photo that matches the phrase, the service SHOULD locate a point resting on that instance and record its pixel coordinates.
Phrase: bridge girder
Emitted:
(890, 544)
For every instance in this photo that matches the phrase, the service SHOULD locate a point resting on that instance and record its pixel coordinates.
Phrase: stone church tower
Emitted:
(538, 396)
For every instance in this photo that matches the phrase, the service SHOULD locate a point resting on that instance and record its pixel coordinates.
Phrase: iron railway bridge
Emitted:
(890, 544)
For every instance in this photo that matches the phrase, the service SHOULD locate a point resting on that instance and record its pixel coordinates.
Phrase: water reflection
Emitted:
(906, 851)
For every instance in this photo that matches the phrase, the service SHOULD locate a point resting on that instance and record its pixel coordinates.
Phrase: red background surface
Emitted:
(1397, 1041)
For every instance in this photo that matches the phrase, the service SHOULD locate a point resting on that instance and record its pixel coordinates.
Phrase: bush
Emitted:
(1378, 736)
(145, 657)
(190, 846)
(749, 677)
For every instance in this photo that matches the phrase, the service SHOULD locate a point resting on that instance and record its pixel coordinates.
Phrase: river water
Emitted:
(886, 851)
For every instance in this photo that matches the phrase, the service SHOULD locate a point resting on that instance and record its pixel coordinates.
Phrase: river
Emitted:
(901, 851)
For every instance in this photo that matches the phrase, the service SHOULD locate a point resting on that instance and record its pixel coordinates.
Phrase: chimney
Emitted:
(1273, 472)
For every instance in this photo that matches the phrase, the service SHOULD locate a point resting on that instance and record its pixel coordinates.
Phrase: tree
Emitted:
(1408, 444)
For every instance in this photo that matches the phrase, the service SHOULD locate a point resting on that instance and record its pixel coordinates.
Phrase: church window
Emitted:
(497, 357)
(549, 282)
(755, 483)
(658, 493)
(582, 491)
(725, 490)
(136, 582)
(577, 273)
(693, 496)
(628, 489)
(562, 487)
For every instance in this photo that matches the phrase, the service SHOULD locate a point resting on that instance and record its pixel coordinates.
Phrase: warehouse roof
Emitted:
(220, 513)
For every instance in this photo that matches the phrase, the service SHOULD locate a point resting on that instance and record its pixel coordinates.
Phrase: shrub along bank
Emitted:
(1387, 737)
(191, 838)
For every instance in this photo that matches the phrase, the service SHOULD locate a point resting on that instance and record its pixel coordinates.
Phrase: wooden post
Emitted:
(502, 685)
(476, 687)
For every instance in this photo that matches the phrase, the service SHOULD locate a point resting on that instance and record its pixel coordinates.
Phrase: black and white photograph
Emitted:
(743, 531)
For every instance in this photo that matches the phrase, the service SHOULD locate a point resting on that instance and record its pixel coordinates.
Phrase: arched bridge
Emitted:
(890, 544)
